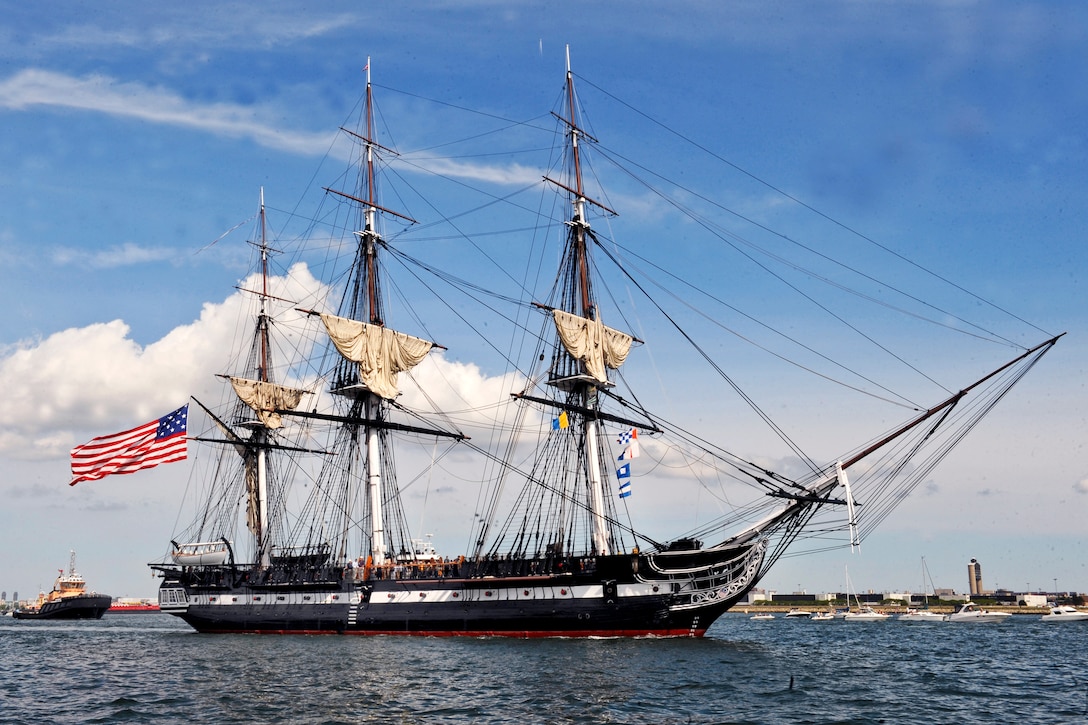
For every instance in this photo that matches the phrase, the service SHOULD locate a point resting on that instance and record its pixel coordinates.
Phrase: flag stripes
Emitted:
(160, 441)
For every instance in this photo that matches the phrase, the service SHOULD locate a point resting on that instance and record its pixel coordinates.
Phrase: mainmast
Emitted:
(369, 239)
(260, 433)
(579, 225)
(583, 376)
(372, 353)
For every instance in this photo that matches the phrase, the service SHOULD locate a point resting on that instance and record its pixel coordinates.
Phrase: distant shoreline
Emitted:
(888, 609)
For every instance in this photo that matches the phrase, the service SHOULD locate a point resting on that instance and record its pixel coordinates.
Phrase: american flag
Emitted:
(160, 441)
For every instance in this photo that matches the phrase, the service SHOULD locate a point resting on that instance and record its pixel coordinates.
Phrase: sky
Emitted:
(135, 137)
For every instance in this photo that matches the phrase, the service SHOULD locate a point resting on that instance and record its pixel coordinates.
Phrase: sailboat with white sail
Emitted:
(863, 612)
(924, 613)
(553, 550)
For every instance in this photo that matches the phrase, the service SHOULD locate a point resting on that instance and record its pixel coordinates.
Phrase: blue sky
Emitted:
(135, 137)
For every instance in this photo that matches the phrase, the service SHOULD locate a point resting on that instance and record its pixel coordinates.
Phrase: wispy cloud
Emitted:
(117, 256)
(509, 174)
(98, 93)
(102, 94)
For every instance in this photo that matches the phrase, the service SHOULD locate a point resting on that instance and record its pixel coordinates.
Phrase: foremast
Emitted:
(371, 353)
(264, 398)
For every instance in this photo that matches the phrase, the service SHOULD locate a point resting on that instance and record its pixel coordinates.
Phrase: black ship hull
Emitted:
(84, 606)
(616, 601)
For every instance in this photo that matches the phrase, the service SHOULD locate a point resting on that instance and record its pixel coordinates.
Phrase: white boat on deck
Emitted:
(865, 614)
(970, 612)
(201, 553)
(921, 615)
(1064, 613)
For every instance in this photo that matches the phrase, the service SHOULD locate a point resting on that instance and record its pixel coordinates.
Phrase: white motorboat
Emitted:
(970, 612)
(798, 614)
(1064, 613)
(761, 617)
(822, 617)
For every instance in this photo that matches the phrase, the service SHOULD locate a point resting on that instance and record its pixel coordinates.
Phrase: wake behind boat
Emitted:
(68, 599)
(552, 548)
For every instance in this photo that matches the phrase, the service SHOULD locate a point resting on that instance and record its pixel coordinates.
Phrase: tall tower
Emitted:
(974, 577)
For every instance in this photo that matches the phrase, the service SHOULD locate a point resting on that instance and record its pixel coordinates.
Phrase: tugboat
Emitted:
(68, 600)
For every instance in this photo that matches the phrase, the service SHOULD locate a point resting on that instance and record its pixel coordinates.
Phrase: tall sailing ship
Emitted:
(552, 551)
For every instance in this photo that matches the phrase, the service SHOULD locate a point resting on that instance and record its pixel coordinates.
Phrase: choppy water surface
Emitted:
(138, 668)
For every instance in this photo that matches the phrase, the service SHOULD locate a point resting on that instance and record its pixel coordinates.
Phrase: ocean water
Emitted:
(150, 668)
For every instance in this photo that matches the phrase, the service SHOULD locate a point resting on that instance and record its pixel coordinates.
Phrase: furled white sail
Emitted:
(266, 398)
(591, 342)
(380, 352)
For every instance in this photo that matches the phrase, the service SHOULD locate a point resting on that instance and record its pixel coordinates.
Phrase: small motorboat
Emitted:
(798, 614)
(1064, 613)
(822, 617)
(761, 617)
(970, 612)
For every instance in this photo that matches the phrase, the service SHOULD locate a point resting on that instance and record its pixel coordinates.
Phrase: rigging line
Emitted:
(744, 396)
(224, 234)
(984, 406)
(556, 491)
(819, 213)
(454, 281)
(702, 222)
(989, 334)
(733, 461)
(717, 323)
(474, 111)
(980, 409)
(490, 343)
(443, 219)
(454, 180)
(498, 232)
(714, 451)
(421, 418)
